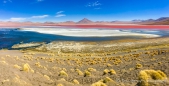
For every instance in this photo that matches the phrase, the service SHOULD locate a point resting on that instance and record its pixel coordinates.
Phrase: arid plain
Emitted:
(110, 63)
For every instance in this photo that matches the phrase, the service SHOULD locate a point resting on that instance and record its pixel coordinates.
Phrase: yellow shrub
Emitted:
(112, 72)
(47, 77)
(109, 65)
(98, 84)
(75, 81)
(91, 69)
(38, 64)
(107, 79)
(138, 66)
(79, 72)
(62, 79)
(146, 75)
(87, 73)
(106, 71)
(27, 68)
(17, 66)
(63, 73)
(59, 85)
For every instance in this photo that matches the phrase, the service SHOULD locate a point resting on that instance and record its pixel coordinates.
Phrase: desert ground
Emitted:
(111, 63)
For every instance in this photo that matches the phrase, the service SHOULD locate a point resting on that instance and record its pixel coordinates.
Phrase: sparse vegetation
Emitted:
(146, 75)
(27, 68)
(106, 71)
(63, 73)
(87, 73)
(89, 68)
(75, 81)
(138, 66)
(47, 77)
(60, 85)
(17, 66)
(99, 83)
(107, 79)
(112, 71)
(79, 72)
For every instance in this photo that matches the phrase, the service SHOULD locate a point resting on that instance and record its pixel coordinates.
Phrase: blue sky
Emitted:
(75, 10)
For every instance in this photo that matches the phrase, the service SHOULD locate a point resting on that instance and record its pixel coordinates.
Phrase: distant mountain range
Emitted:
(159, 21)
(85, 21)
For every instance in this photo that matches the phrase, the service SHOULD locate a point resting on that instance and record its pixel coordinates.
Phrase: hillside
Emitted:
(85, 21)
(159, 21)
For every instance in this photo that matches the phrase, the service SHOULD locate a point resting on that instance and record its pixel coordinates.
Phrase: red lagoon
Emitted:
(161, 27)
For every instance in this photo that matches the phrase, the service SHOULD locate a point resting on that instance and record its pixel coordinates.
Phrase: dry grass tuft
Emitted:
(152, 75)
(38, 64)
(112, 71)
(63, 73)
(99, 83)
(91, 69)
(60, 85)
(79, 72)
(4, 62)
(62, 79)
(107, 79)
(27, 68)
(106, 71)
(75, 81)
(7, 80)
(87, 73)
(138, 66)
(17, 66)
(47, 77)
(109, 65)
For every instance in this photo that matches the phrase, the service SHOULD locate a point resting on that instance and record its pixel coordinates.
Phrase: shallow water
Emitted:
(9, 37)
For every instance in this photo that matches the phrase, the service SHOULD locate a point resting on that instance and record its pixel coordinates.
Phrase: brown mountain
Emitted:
(85, 21)
(159, 21)
(163, 19)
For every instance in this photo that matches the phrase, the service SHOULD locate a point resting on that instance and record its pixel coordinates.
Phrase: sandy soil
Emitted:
(32, 68)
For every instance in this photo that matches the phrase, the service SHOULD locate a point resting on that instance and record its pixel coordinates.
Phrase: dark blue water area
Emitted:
(9, 37)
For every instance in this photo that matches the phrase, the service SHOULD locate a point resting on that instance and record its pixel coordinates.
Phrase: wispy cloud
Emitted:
(93, 4)
(40, 17)
(17, 19)
(40, 0)
(37, 1)
(60, 14)
(6, 1)
(97, 8)
(26, 18)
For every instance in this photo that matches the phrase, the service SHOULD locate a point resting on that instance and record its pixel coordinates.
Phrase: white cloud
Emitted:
(17, 19)
(93, 4)
(6, 1)
(97, 8)
(26, 18)
(60, 14)
(40, 17)
(40, 0)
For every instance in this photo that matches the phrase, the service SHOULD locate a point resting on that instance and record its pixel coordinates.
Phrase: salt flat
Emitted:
(88, 32)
